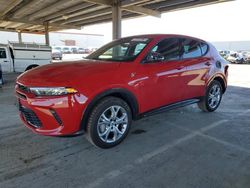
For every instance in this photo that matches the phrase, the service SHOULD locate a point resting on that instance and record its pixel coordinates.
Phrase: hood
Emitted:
(66, 73)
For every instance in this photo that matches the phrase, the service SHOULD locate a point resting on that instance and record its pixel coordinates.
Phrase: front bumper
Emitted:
(51, 116)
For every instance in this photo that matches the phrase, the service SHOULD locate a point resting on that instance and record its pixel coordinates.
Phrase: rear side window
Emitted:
(2, 53)
(190, 48)
(168, 48)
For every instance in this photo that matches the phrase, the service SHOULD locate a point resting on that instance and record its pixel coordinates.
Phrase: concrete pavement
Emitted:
(181, 148)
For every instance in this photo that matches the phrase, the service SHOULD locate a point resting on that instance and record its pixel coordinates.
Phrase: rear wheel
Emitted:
(109, 122)
(212, 99)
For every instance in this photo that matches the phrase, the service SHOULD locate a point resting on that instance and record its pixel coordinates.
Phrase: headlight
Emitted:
(52, 91)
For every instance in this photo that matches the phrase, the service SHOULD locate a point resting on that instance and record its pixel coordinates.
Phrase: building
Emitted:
(58, 39)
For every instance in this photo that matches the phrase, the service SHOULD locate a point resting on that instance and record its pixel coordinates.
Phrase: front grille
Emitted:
(23, 88)
(30, 117)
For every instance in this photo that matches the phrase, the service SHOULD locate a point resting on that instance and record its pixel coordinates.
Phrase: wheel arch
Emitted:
(220, 79)
(31, 66)
(122, 93)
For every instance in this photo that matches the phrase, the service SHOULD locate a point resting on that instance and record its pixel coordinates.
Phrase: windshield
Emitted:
(126, 49)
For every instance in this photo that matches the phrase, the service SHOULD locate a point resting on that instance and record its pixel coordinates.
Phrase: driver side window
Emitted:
(2, 53)
(166, 50)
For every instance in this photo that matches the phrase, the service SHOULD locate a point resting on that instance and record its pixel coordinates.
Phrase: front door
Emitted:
(5, 60)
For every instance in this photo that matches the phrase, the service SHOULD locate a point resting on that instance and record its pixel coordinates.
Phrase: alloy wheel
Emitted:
(112, 124)
(214, 96)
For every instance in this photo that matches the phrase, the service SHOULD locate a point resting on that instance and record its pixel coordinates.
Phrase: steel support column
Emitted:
(46, 26)
(20, 37)
(116, 19)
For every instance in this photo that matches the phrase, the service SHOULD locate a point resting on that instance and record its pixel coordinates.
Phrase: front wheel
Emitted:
(212, 99)
(109, 122)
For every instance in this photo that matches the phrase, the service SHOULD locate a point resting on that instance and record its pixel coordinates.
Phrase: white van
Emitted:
(19, 57)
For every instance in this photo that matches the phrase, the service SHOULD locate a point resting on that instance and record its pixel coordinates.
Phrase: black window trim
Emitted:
(180, 45)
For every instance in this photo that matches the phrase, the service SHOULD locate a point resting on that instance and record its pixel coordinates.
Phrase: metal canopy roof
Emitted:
(33, 16)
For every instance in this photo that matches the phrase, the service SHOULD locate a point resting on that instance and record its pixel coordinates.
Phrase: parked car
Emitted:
(1, 76)
(57, 48)
(56, 54)
(224, 53)
(84, 51)
(66, 50)
(236, 57)
(74, 50)
(246, 54)
(248, 58)
(87, 51)
(125, 80)
(81, 50)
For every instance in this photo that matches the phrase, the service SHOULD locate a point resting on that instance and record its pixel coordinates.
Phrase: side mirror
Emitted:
(154, 56)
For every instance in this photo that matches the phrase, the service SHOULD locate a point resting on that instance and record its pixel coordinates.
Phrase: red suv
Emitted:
(124, 80)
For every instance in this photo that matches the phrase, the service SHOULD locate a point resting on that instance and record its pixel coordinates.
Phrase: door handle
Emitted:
(5, 61)
(208, 63)
(180, 67)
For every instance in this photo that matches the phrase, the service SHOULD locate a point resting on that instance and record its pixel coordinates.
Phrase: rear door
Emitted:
(197, 66)
(5, 60)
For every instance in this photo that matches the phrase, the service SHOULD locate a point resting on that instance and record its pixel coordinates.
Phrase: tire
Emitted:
(104, 119)
(1, 77)
(1, 82)
(212, 99)
(31, 67)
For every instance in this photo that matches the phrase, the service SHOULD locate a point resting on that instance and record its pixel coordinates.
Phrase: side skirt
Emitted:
(169, 107)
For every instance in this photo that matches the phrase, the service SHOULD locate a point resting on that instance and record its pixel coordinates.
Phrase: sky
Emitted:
(227, 21)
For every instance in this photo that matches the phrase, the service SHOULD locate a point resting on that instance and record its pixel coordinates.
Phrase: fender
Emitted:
(220, 78)
(122, 93)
